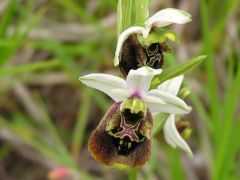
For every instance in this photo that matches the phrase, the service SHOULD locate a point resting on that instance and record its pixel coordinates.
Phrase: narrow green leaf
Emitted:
(79, 130)
(76, 9)
(175, 166)
(29, 67)
(176, 70)
(7, 17)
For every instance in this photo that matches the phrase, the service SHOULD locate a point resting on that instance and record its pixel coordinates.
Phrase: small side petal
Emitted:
(141, 78)
(166, 17)
(172, 136)
(172, 86)
(173, 105)
(123, 36)
(105, 83)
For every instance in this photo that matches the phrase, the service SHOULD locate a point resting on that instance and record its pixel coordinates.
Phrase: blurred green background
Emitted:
(47, 115)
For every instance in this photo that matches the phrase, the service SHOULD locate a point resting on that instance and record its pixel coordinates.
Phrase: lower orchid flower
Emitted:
(124, 134)
(171, 134)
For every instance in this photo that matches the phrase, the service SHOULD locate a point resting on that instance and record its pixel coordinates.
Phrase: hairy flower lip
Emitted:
(160, 19)
(110, 150)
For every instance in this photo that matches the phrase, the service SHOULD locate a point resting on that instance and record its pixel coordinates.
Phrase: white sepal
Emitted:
(121, 39)
(105, 83)
(173, 138)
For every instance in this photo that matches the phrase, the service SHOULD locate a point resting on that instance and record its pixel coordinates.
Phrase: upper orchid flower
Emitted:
(124, 134)
(171, 134)
(144, 46)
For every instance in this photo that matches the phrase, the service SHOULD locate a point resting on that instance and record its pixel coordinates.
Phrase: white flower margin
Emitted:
(162, 18)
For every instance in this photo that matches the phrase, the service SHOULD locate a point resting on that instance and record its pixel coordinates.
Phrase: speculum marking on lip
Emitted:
(127, 136)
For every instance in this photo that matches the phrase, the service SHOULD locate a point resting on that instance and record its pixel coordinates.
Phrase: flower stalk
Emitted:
(131, 12)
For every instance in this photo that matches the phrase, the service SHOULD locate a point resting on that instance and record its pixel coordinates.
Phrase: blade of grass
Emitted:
(175, 166)
(77, 9)
(7, 17)
(209, 64)
(153, 162)
(201, 111)
(52, 129)
(79, 130)
(232, 152)
(228, 118)
(227, 8)
(29, 67)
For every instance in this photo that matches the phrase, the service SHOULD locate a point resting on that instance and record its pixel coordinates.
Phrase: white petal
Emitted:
(121, 93)
(173, 105)
(166, 17)
(141, 78)
(121, 39)
(105, 83)
(173, 138)
(172, 86)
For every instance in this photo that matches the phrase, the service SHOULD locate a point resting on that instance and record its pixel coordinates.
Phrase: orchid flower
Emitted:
(124, 134)
(144, 46)
(137, 84)
(171, 134)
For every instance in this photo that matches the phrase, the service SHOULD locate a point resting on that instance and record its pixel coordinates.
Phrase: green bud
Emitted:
(184, 92)
(184, 128)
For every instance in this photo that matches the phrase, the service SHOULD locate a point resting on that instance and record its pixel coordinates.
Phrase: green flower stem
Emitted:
(124, 11)
(132, 173)
(140, 7)
(131, 12)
